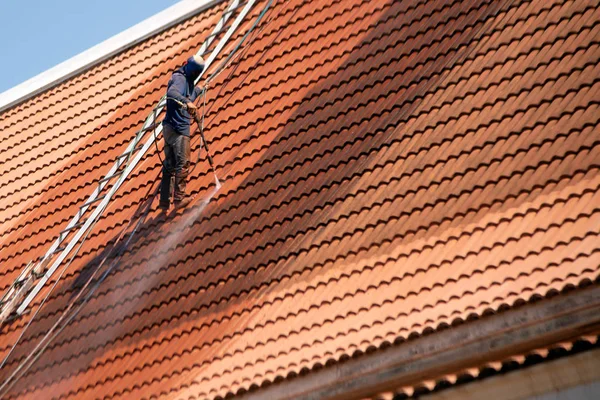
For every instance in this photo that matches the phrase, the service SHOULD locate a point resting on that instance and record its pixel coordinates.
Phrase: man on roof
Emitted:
(181, 93)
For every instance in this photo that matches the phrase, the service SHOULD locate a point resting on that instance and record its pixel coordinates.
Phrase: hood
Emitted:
(192, 68)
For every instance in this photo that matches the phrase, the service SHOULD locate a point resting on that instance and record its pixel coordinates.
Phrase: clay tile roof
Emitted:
(388, 168)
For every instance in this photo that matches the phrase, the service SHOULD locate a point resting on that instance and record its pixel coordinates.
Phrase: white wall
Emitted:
(583, 392)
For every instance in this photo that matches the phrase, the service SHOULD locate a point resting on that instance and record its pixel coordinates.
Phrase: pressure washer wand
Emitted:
(205, 143)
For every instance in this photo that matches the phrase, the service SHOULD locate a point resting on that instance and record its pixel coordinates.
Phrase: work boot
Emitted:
(187, 199)
(164, 207)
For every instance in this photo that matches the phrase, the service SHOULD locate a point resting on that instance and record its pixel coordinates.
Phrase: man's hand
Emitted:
(191, 107)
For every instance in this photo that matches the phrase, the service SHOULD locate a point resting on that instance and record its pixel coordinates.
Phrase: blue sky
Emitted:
(39, 34)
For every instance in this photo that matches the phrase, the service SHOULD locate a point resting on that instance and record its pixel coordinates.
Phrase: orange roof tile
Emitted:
(388, 167)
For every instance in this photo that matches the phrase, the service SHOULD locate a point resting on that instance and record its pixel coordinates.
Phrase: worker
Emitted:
(181, 93)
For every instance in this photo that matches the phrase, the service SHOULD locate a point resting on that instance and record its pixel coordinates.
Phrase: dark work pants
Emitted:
(176, 165)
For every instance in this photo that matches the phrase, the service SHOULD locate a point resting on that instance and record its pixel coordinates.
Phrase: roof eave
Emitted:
(530, 326)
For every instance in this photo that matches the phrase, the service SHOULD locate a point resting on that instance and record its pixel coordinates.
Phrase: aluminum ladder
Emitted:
(34, 276)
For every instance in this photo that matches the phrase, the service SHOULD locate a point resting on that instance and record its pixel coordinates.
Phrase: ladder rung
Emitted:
(20, 282)
(77, 225)
(128, 153)
(97, 199)
(152, 126)
(214, 33)
(13, 316)
(58, 250)
(38, 275)
(109, 177)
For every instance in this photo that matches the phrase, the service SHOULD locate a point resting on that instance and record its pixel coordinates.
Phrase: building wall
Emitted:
(572, 377)
(590, 391)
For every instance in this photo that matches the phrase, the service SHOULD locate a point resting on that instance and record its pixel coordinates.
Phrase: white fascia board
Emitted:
(103, 51)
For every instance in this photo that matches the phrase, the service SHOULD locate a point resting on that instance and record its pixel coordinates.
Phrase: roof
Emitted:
(388, 169)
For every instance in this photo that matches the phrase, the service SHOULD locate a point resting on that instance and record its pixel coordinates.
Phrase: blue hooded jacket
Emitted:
(181, 87)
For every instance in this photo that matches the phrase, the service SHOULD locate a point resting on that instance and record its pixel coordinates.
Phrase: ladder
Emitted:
(34, 276)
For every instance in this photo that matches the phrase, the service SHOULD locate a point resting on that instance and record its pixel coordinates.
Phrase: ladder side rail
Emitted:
(24, 276)
(95, 214)
(228, 34)
(128, 169)
(75, 220)
(219, 26)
